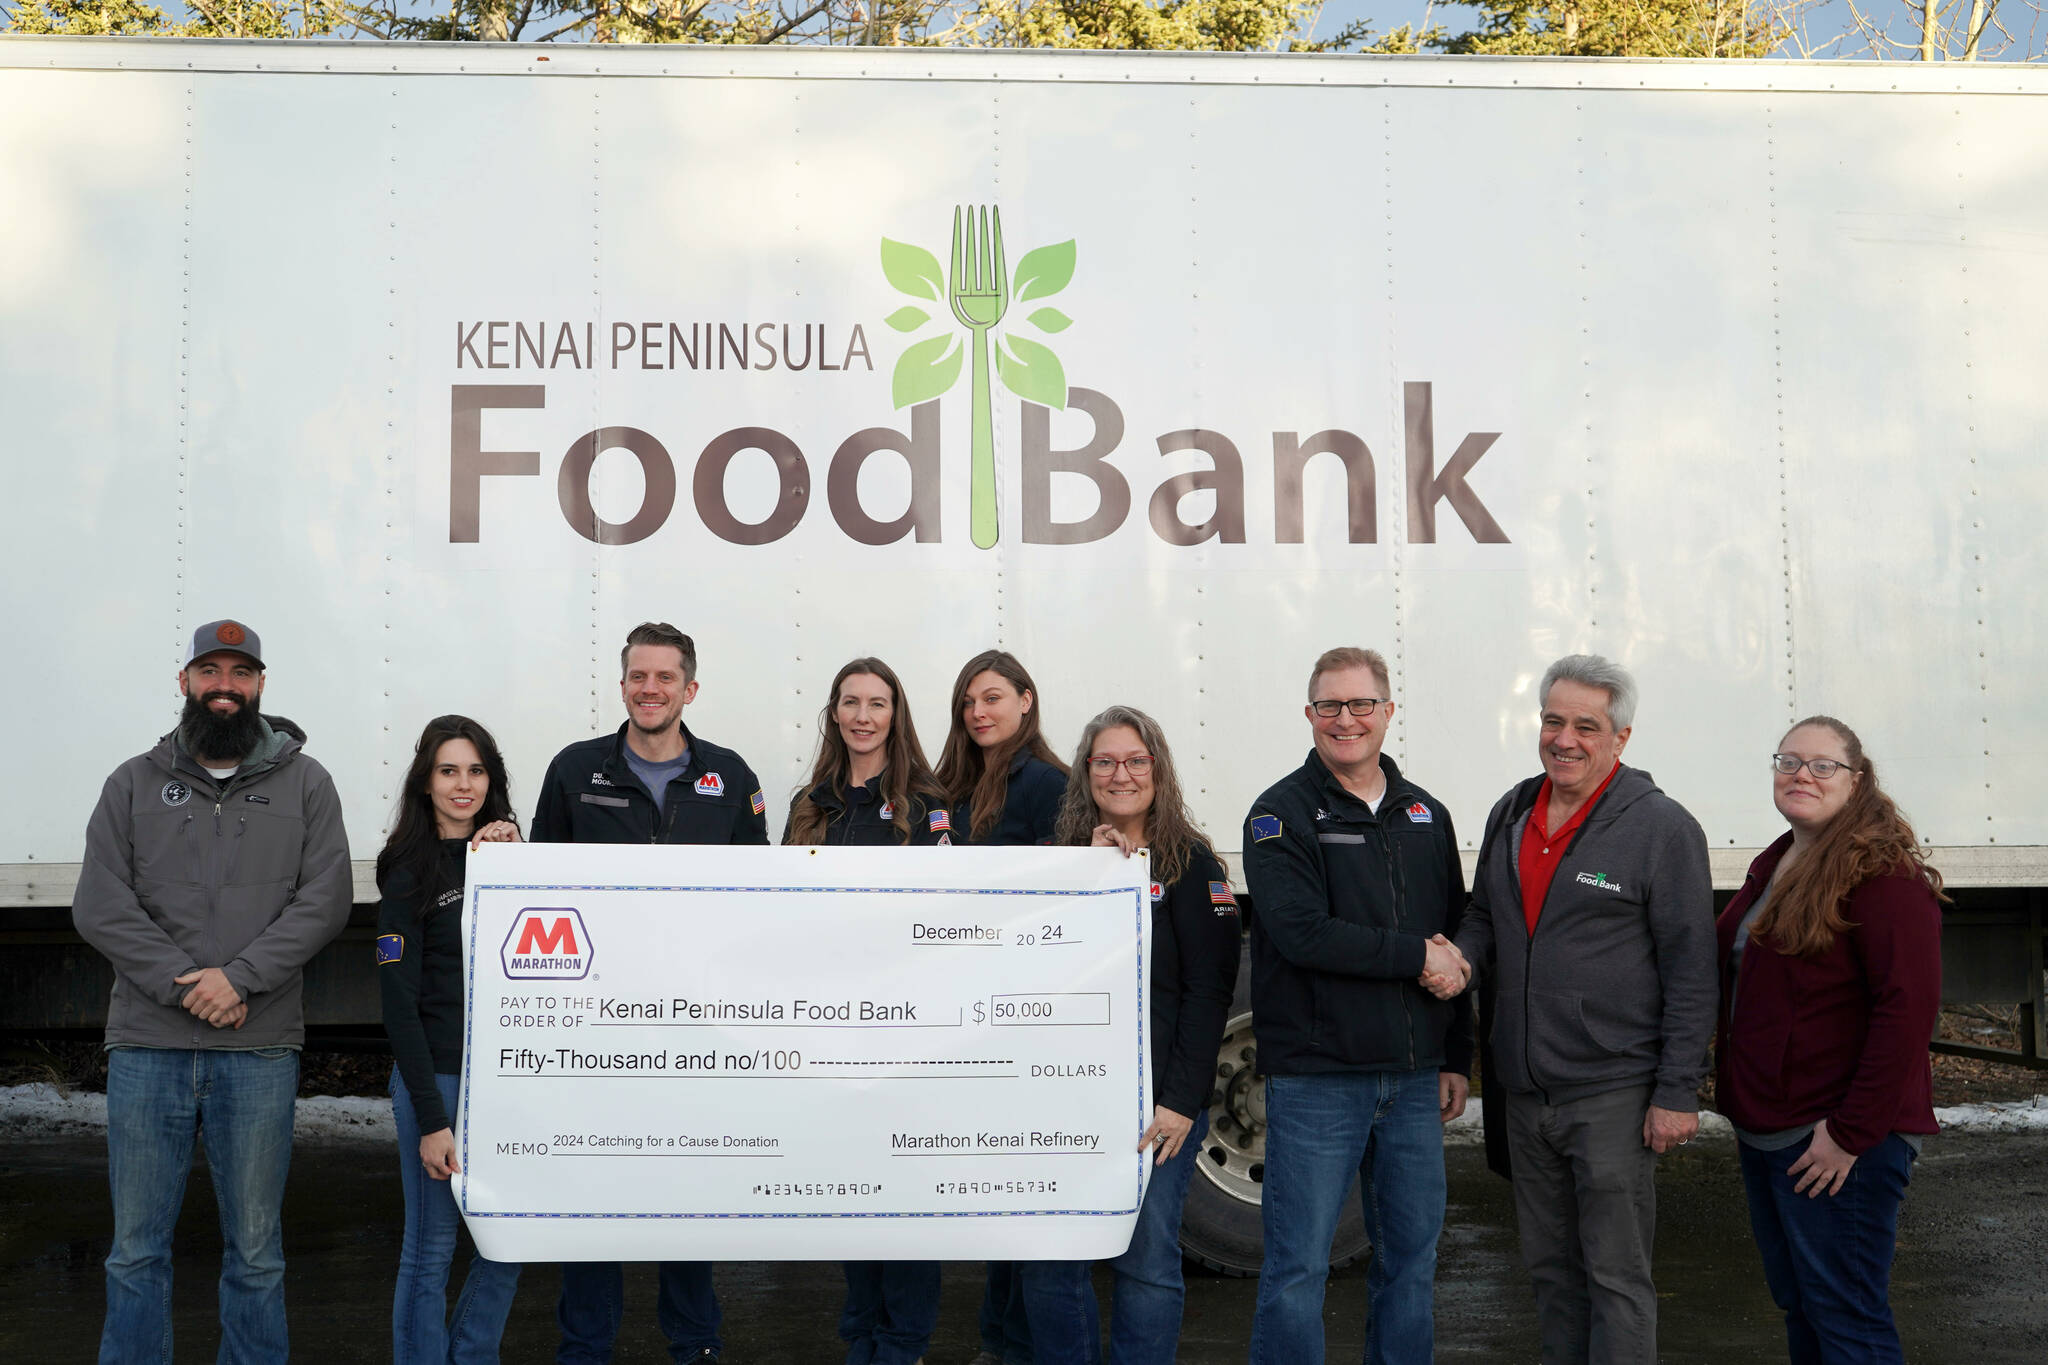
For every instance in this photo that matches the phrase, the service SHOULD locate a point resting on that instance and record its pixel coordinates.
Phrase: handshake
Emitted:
(1445, 972)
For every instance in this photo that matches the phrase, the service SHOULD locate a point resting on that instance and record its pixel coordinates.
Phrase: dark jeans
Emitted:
(1144, 1320)
(594, 1300)
(1005, 1327)
(891, 1308)
(1828, 1260)
(1586, 1206)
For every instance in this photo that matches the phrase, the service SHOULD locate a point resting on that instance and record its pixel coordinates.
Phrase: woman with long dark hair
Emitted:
(1831, 980)
(455, 796)
(1123, 792)
(1005, 784)
(870, 786)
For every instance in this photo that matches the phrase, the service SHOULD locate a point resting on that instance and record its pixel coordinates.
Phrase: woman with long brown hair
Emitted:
(871, 787)
(1005, 783)
(1831, 980)
(1123, 792)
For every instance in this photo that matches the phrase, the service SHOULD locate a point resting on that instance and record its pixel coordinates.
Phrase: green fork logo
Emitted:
(979, 292)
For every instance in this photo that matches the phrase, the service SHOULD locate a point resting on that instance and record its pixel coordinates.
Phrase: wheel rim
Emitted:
(1234, 1153)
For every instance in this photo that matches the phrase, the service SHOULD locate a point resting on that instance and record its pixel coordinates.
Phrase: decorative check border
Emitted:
(1140, 908)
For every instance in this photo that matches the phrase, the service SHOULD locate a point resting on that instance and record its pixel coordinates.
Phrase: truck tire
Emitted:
(1219, 1227)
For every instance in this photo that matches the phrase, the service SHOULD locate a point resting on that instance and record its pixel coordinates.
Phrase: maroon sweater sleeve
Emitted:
(1897, 939)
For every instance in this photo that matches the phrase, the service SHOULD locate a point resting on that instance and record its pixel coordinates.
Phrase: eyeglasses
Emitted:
(1136, 766)
(1821, 768)
(1357, 706)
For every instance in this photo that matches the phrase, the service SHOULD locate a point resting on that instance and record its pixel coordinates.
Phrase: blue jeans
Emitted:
(159, 1100)
(891, 1309)
(594, 1300)
(1005, 1326)
(420, 1329)
(1384, 1128)
(1828, 1260)
(1144, 1320)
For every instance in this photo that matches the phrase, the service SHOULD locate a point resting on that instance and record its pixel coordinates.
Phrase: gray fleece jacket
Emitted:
(1618, 985)
(250, 875)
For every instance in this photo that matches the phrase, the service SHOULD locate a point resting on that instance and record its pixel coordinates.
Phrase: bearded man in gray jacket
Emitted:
(215, 868)
(1593, 910)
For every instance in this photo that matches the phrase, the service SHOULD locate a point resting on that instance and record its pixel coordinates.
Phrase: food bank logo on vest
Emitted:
(972, 317)
(547, 943)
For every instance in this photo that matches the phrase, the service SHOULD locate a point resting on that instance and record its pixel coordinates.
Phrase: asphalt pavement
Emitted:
(1970, 1287)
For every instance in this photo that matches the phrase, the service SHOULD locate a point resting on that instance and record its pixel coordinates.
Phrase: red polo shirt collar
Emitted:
(1542, 851)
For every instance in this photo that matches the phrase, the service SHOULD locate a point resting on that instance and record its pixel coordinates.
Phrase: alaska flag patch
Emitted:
(1265, 827)
(1419, 813)
(390, 948)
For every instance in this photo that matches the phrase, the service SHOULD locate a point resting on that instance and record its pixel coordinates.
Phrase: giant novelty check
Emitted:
(691, 1053)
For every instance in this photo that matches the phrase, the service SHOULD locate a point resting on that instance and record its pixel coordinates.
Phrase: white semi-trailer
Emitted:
(444, 365)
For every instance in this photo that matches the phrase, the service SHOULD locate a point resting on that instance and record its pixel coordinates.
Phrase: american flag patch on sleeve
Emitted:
(941, 821)
(1219, 894)
(760, 806)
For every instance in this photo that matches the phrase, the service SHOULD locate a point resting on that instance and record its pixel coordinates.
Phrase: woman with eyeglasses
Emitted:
(455, 796)
(1004, 782)
(1122, 792)
(1830, 983)
(871, 787)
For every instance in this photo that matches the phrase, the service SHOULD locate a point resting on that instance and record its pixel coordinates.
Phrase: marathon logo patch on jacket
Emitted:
(390, 949)
(1265, 827)
(1158, 891)
(711, 784)
(1419, 813)
(888, 811)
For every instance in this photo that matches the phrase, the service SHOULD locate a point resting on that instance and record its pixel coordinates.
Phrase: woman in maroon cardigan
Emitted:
(1830, 982)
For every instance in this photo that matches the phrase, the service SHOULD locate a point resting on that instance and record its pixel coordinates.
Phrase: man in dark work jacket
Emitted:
(651, 783)
(1355, 884)
(1594, 911)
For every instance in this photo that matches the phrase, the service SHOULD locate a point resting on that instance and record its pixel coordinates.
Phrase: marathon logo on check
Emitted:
(1265, 827)
(1419, 813)
(1219, 894)
(390, 949)
(760, 806)
(941, 822)
(711, 784)
(546, 943)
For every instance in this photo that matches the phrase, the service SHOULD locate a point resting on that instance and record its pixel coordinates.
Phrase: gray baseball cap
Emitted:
(232, 636)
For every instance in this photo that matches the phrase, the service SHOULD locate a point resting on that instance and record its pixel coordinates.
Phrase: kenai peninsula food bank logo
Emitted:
(979, 293)
(974, 315)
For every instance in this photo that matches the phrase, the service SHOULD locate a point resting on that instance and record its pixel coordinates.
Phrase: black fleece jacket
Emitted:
(1343, 904)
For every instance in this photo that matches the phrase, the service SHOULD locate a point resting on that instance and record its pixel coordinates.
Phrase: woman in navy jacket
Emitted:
(1005, 783)
(455, 797)
(1123, 793)
(870, 786)
(1830, 983)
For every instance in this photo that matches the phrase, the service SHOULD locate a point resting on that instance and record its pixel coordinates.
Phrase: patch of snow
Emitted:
(44, 1110)
(2015, 1116)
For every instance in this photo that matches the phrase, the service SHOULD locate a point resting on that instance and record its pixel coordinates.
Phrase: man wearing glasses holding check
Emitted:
(1355, 883)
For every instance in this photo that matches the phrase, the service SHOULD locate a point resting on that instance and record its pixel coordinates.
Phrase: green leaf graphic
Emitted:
(910, 317)
(1033, 372)
(915, 271)
(923, 371)
(1043, 271)
(1050, 320)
